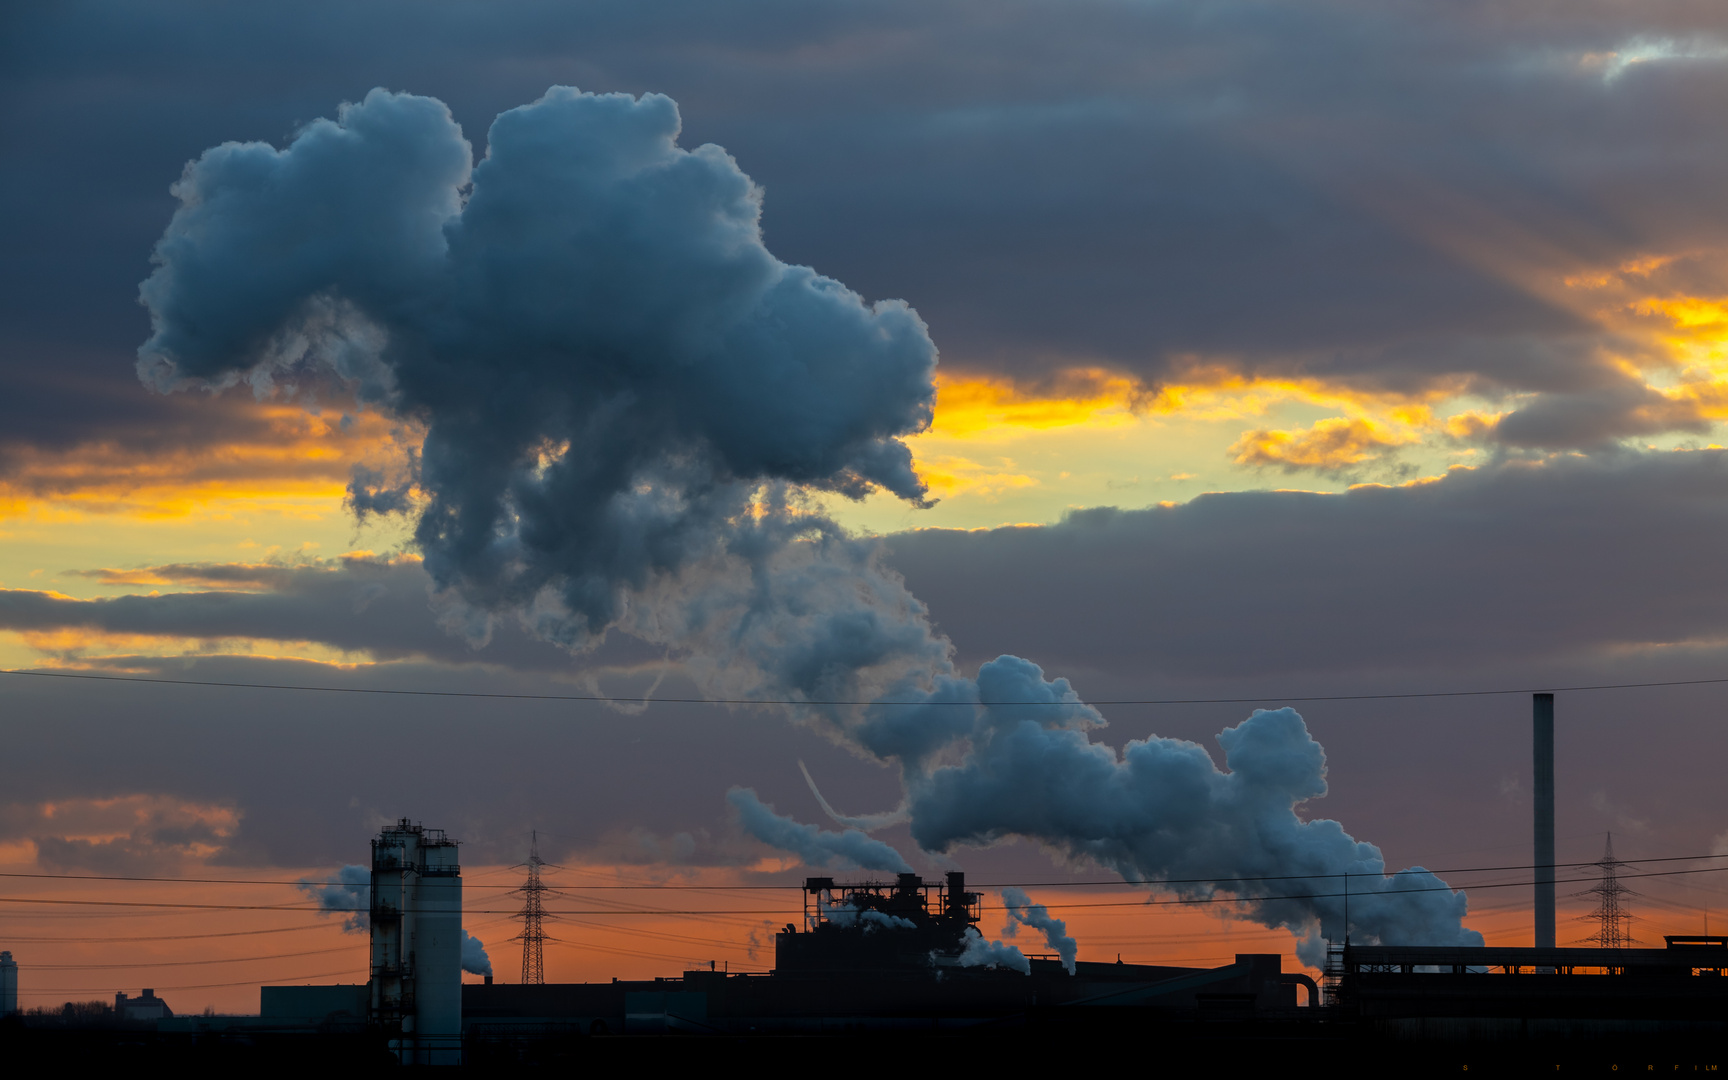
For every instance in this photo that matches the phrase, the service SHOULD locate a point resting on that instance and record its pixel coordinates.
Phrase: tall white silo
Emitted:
(416, 917)
(8, 984)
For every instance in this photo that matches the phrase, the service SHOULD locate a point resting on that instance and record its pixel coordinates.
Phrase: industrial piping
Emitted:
(1542, 754)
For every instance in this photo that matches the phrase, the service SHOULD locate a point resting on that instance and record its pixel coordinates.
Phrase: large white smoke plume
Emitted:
(626, 401)
(981, 952)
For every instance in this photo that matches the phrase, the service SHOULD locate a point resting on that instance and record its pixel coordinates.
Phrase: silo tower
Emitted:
(417, 943)
(8, 985)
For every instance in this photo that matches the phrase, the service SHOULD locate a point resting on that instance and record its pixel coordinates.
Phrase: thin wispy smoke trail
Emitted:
(1023, 912)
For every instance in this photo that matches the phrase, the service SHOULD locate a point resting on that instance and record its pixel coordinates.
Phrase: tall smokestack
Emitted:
(1542, 755)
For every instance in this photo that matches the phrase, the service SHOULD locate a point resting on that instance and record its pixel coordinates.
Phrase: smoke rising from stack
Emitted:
(981, 952)
(626, 402)
(1022, 911)
(350, 897)
(474, 958)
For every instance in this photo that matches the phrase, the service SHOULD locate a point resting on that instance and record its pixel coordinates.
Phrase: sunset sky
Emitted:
(1286, 352)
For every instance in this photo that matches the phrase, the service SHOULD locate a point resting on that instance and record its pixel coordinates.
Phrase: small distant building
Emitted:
(146, 1006)
(8, 984)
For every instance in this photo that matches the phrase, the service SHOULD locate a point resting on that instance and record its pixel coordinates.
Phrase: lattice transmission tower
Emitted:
(533, 936)
(1613, 929)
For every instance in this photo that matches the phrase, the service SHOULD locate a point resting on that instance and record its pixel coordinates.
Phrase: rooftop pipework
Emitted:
(876, 925)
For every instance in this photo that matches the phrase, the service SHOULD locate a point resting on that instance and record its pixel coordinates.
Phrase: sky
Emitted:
(1254, 351)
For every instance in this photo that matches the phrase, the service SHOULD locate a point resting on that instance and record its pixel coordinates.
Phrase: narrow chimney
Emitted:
(1542, 747)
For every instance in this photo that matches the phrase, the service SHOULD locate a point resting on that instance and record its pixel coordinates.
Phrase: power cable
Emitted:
(495, 696)
(214, 881)
(1231, 899)
(194, 963)
(1118, 882)
(170, 937)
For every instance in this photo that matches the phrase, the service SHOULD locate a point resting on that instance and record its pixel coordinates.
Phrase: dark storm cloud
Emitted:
(1328, 187)
(1594, 417)
(1515, 565)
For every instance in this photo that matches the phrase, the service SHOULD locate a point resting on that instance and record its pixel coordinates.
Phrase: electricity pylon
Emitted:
(1610, 916)
(533, 936)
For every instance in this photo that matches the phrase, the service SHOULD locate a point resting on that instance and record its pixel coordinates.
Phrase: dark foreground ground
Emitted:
(1193, 1048)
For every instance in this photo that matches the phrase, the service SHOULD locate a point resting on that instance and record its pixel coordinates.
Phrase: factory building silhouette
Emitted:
(904, 958)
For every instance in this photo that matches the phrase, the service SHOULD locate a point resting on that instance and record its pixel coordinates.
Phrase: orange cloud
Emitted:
(272, 451)
(1655, 297)
(127, 832)
(1199, 390)
(236, 576)
(1332, 443)
(971, 405)
(1471, 425)
(76, 647)
(1688, 314)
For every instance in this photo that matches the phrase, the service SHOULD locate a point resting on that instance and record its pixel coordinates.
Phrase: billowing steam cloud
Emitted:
(607, 362)
(1021, 910)
(851, 849)
(1162, 811)
(844, 914)
(625, 401)
(980, 952)
(474, 958)
(349, 895)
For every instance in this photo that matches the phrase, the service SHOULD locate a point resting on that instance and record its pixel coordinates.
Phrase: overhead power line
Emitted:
(609, 698)
(1504, 867)
(168, 937)
(1227, 899)
(352, 946)
(223, 881)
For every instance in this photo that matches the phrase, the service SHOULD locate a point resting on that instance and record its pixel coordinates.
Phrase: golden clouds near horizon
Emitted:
(83, 648)
(274, 452)
(1671, 304)
(1001, 452)
(236, 476)
(1333, 443)
(233, 479)
(141, 831)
